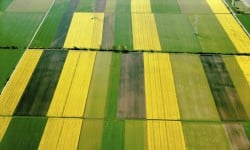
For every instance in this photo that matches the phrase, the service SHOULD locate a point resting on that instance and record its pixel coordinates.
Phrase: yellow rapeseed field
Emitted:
(140, 6)
(217, 6)
(61, 133)
(71, 93)
(15, 87)
(244, 63)
(51, 133)
(145, 34)
(70, 134)
(4, 123)
(161, 100)
(235, 32)
(64, 83)
(85, 31)
(165, 135)
(78, 93)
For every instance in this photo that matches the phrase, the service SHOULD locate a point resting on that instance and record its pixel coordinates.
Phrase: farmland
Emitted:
(124, 74)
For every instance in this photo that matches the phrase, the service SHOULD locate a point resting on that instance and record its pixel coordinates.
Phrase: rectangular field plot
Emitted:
(46, 34)
(132, 92)
(176, 33)
(113, 86)
(113, 134)
(71, 92)
(108, 36)
(123, 7)
(91, 6)
(194, 7)
(85, 31)
(145, 34)
(23, 133)
(14, 89)
(238, 67)
(211, 34)
(217, 6)
(194, 96)
(239, 38)
(29, 5)
(61, 133)
(161, 101)
(140, 6)
(165, 6)
(98, 90)
(123, 32)
(165, 135)
(8, 61)
(205, 136)
(91, 134)
(17, 29)
(135, 135)
(86, 6)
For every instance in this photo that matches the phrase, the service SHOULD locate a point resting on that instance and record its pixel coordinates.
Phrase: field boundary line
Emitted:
(236, 18)
(38, 28)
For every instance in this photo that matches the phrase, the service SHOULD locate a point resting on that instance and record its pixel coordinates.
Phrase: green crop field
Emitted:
(45, 36)
(244, 19)
(24, 132)
(210, 33)
(162, 6)
(36, 99)
(124, 74)
(8, 61)
(98, 90)
(194, 7)
(195, 98)
(175, 37)
(17, 29)
(205, 135)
